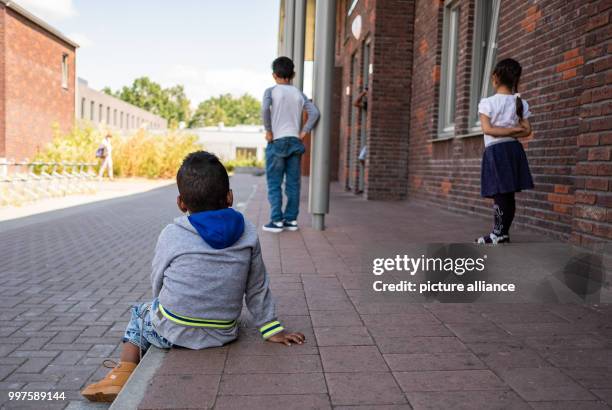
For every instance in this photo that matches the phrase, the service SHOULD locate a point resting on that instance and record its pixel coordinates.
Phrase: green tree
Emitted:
(169, 103)
(227, 109)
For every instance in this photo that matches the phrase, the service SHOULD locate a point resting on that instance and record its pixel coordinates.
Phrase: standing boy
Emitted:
(282, 110)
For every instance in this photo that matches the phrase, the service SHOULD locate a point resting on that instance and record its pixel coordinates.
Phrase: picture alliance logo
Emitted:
(411, 265)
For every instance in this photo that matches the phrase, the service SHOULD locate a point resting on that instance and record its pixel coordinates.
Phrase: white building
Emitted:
(231, 143)
(107, 111)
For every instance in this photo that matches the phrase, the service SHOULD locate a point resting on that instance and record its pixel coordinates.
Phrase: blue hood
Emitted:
(220, 229)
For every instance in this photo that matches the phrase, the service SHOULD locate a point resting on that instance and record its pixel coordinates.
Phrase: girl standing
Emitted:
(505, 171)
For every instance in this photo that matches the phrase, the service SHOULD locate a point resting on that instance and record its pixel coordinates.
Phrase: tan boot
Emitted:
(107, 389)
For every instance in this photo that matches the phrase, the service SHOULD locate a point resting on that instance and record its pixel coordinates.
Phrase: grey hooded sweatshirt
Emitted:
(204, 266)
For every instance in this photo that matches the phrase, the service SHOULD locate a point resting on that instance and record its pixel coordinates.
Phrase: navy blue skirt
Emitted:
(504, 169)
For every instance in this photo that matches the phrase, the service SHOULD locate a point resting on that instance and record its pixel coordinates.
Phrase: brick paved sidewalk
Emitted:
(362, 352)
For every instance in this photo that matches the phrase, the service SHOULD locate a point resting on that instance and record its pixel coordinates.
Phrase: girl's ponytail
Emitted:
(508, 73)
(519, 104)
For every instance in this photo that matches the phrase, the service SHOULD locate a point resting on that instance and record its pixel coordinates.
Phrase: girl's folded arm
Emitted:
(488, 129)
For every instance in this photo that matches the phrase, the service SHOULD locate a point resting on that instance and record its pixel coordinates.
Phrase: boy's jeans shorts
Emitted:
(140, 330)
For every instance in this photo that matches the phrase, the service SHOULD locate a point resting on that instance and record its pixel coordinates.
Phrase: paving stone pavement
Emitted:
(67, 280)
(67, 284)
(372, 354)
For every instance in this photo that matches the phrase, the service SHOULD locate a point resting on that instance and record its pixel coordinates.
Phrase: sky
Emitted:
(209, 46)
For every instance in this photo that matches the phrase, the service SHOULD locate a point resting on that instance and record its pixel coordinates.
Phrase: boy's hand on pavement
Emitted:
(269, 136)
(287, 338)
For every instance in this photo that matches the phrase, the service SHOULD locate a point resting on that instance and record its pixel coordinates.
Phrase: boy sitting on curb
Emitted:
(205, 263)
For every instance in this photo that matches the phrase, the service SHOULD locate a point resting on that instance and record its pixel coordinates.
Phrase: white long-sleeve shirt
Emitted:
(282, 111)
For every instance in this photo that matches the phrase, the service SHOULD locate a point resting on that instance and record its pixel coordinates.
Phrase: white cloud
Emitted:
(201, 83)
(81, 39)
(53, 10)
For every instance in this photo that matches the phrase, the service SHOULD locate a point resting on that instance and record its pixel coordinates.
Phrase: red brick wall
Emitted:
(593, 187)
(34, 96)
(548, 39)
(388, 26)
(564, 47)
(346, 47)
(389, 115)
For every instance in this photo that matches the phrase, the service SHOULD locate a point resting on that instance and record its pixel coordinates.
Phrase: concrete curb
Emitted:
(134, 390)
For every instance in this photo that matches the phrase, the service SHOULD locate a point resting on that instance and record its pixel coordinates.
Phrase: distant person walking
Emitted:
(282, 109)
(105, 152)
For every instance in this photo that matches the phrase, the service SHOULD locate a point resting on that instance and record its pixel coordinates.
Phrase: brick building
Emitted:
(427, 63)
(37, 82)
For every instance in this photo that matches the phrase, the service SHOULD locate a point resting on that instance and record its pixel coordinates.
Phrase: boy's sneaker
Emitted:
(107, 389)
(275, 227)
(493, 239)
(291, 225)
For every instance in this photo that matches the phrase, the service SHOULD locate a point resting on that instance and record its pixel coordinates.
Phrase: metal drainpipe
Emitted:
(299, 43)
(289, 27)
(325, 36)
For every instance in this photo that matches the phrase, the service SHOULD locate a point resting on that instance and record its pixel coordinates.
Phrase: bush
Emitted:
(142, 154)
(152, 156)
(233, 164)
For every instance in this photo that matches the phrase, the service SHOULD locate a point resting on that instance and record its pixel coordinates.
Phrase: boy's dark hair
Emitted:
(508, 72)
(283, 67)
(203, 182)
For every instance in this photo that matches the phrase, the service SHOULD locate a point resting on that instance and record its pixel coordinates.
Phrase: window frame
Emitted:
(351, 8)
(448, 68)
(482, 56)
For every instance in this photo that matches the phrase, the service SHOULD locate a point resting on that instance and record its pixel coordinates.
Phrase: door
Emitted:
(353, 130)
(364, 126)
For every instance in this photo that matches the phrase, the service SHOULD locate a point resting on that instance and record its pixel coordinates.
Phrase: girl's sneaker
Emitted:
(275, 227)
(291, 225)
(493, 239)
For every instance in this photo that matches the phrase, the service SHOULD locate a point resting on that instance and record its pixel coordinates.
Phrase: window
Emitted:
(65, 71)
(450, 37)
(484, 54)
(121, 119)
(100, 113)
(92, 108)
(82, 107)
(115, 117)
(350, 7)
(108, 117)
(244, 153)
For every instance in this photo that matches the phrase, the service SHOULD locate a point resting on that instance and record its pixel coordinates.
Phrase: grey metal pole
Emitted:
(299, 43)
(325, 35)
(289, 27)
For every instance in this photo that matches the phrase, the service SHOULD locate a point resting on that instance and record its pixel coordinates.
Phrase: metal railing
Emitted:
(25, 181)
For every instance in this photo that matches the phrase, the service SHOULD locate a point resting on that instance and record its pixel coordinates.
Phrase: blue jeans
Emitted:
(140, 330)
(283, 156)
